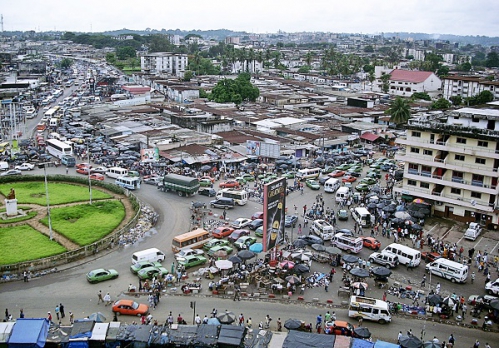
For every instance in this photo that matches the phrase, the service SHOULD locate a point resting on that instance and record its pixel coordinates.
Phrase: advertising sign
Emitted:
(149, 155)
(259, 148)
(274, 208)
(253, 147)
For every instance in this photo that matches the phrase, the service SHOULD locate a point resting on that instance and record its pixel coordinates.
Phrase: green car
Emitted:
(151, 272)
(327, 170)
(225, 248)
(344, 166)
(240, 180)
(368, 181)
(269, 178)
(373, 175)
(192, 260)
(248, 177)
(259, 232)
(362, 187)
(215, 242)
(342, 214)
(136, 267)
(313, 184)
(101, 274)
(356, 169)
(205, 183)
(244, 242)
(289, 175)
(375, 165)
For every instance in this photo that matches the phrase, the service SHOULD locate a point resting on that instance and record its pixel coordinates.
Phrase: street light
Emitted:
(89, 181)
(47, 195)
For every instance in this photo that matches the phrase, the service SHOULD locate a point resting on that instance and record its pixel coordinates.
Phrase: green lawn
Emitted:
(23, 243)
(59, 193)
(84, 224)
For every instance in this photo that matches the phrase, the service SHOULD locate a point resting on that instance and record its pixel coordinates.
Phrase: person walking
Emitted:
(57, 312)
(451, 340)
(326, 284)
(423, 282)
(279, 324)
(237, 294)
(472, 277)
(21, 313)
(437, 289)
(107, 299)
(72, 318)
(49, 317)
(99, 297)
(464, 308)
(61, 309)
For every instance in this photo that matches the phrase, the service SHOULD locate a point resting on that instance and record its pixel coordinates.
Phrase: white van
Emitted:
(116, 172)
(308, 173)
(331, 185)
(362, 216)
(448, 269)
(323, 229)
(152, 255)
(369, 309)
(473, 231)
(405, 254)
(342, 194)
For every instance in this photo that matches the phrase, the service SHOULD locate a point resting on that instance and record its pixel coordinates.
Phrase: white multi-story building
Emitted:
(468, 86)
(159, 63)
(451, 161)
(406, 82)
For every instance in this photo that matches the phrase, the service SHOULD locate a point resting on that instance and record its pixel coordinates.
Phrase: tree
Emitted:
(440, 104)
(235, 91)
(434, 60)
(464, 67)
(308, 58)
(368, 49)
(482, 98)
(456, 100)
(399, 111)
(421, 95)
(125, 52)
(203, 93)
(188, 75)
(368, 68)
(442, 71)
(492, 60)
(385, 82)
(304, 69)
(111, 58)
(66, 63)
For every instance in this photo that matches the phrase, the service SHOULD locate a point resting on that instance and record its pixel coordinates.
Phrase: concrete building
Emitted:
(451, 161)
(406, 82)
(468, 86)
(161, 63)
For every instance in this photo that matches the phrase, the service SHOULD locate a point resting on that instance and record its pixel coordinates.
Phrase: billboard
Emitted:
(274, 208)
(259, 148)
(149, 155)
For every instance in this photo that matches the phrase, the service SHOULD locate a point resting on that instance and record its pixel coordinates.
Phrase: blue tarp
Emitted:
(360, 343)
(29, 333)
(383, 344)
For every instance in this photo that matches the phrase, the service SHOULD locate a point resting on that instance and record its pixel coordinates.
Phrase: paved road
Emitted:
(70, 288)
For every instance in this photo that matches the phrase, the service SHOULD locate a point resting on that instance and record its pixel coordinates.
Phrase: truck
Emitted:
(183, 185)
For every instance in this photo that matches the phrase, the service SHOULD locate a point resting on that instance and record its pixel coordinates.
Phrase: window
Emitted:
(461, 140)
(424, 185)
(411, 182)
(476, 194)
(416, 134)
(428, 152)
(482, 143)
(479, 160)
(455, 191)
(414, 150)
(459, 157)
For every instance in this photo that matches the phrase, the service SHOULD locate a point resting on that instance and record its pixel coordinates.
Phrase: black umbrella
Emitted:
(372, 206)
(434, 300)
(390, 208)
(416, 227)
(381, 271)
(292, 324)
(431, 344)
(333, 250)
(301, 268)
(417, 214)
(205, 168)
(385, 197)
(226, 318)
(425, 211)
(362, 332)
(380, 205)
(359, 272)
(375, 189)
(449, 302)
(293, 279)
(235, 259)
(246, 254)
(410, 342)
(299, 243)
(397, 221)
(350, 258)
(318, 247)
(494, 304)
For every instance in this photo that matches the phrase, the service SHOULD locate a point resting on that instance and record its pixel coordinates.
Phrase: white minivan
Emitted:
(151, 255)
(331, 185)
(342, 194)
(448, 269)
(323, 229)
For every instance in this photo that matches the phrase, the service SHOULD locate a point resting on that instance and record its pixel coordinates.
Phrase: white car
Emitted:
(492, 288)
(187, 252)
(11, 172)
(100, 170)
(240, 223)
(25, 166)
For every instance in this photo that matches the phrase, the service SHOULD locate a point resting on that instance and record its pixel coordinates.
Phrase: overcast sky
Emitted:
(460, 17)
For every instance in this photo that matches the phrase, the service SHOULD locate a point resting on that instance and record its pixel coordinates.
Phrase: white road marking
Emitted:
(494, 248)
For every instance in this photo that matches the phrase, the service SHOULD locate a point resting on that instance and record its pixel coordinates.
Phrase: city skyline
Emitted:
(357, 16)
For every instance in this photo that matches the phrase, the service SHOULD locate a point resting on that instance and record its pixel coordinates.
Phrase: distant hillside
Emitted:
(218, 34)
(468, 39)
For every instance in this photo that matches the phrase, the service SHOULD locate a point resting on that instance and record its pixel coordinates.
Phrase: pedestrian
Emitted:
(409, 266)
(57, 312)
(49, 317)
(464, 308)
(477, 344)
(437, 289)
(249, 323)
(237, 294)
(279, 324)
(318, 322)
(61, 309)
(99, 297)
(241, 319)
(25, 276)
(67, 170)
(326, 284)
(299, 229)
(487, 279)
(107, 299)
(399, 336)
(423, 282)
(21, 313)
(435, 339)
(472, 277)
(360, 321)
(384, 296)
(451, 340)
(72, 318)
(6, 314)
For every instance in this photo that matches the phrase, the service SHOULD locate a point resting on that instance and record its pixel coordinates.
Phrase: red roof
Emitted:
(369, 136)
(409, 75)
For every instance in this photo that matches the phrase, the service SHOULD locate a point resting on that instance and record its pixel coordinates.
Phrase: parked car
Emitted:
(349, 179)
(222, 231)
(313, 184)
(290, 220)
(11, 172)
(129, 307)
(255, 224)
(187, 252)
(257, 215)
(152, 272)
(337, 173)
(339, 327)
(229, 184)
(241, 223)
(25, 166)
(136, 267)
(214, 242)
(259, 232)
(346, 232)
(237, 234)
(429, 256)
(386, 259)
(101, 274)
(215, 249)
(192, 260)
(244, 242)
(311, 239)
(371, 243)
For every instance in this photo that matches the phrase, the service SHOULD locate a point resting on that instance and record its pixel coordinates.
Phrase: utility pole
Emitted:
(193, 306)
(47, 196)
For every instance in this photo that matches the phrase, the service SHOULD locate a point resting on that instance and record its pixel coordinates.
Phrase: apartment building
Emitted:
(161, 63)
(468, 86)
(451, 161)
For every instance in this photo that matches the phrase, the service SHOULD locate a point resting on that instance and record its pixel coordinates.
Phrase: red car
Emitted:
(429, 256)
(221, 232)
(97, 176)
(371, 243)
(229, 184)
(129, 307)
(82, 170)
(257, 215)
(83, 165)
(336, 173)
(349, 179)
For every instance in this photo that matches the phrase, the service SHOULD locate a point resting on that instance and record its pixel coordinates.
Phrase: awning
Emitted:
(407, 197)
(369, 136)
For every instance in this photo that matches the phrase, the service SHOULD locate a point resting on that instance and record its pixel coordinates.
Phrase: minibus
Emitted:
(116, 172)
(331, 185)
(405, 254)
(362, 216)
(349, 244)
(194, 239)
(448, 269)
(308, 173)
(342, 194)
(369, 309)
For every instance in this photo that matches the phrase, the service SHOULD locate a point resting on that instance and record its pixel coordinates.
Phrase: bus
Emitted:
(128, 182)
(50, 113)
(405, 254)
(58, 148)
(362, 216)
(349, 244)
(308, 173)
(369, 309)
(240, 197)
(4, 147)
(448, 269)
(194, 239)
(116, 172)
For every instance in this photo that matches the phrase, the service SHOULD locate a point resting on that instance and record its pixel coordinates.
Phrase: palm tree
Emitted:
(399, 111)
